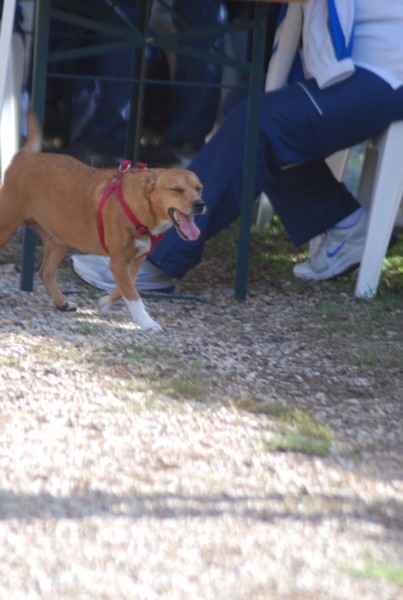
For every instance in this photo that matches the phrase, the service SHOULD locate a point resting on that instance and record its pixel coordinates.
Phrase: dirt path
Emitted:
(252, 451)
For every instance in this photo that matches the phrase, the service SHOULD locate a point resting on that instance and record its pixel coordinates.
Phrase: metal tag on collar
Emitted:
(124, 166)
(142, 229)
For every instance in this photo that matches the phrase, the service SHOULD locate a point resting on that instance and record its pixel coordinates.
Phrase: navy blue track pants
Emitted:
(300, 126)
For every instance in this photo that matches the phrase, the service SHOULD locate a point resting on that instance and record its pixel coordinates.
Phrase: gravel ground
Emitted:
(141, 466)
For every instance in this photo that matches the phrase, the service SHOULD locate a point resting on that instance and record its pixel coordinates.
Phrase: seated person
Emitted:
(350, 88)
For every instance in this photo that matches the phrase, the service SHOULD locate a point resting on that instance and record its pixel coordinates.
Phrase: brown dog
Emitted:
(95, 211)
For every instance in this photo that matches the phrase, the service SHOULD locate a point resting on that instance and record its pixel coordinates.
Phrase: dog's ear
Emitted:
(148, 180)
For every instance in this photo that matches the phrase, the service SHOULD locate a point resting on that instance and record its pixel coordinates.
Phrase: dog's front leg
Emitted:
(125, 274)
(140, 315)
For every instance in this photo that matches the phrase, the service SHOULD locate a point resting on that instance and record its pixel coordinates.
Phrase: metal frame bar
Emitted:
(251, 149)
(41, 42)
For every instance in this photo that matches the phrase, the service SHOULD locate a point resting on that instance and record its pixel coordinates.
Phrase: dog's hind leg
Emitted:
(54, 252)
(10, 220)
(6, 235)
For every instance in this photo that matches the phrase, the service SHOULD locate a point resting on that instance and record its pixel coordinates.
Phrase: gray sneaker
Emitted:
(339, 251)
(95, 270)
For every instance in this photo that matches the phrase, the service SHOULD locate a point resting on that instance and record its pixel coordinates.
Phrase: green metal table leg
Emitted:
(251, 148)
(137, 93)
(38, 105)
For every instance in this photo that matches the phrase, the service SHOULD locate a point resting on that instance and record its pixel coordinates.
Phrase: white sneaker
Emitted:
(339, 250)
(95, 270)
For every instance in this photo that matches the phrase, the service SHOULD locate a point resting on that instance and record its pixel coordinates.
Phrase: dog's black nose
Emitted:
(199, 207)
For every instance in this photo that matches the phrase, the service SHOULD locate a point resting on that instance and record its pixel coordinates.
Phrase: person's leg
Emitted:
(294, 131)
(307, 197)
(299, 125)
(219, 167)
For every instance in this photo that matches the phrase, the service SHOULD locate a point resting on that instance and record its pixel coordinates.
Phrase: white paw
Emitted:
(151, 325)
(141, 317)
(104, 304)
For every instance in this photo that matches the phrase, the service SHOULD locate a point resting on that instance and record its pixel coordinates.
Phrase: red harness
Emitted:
(116, 186)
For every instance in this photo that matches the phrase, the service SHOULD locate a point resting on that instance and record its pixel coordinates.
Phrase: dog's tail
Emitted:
(34, 139)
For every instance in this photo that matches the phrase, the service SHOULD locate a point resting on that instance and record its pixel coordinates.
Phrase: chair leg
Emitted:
(399, 218)
(337, 163)
(265, 211)
(10, 116)
(8, 139)
(6, 29)
(385, 202)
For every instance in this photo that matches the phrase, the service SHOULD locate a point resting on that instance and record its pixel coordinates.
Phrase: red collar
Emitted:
(116, 186)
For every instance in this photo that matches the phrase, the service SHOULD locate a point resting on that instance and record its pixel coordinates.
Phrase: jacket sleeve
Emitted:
(285, 47)
(328, 35)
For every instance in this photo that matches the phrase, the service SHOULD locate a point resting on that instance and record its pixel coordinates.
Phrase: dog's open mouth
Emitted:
(184, 224)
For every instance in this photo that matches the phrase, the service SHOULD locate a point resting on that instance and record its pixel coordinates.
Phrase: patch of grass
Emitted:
(392, 272)
(299, 430)
(293, 441)
(185, 386)
(90, 329)
(165, 361)
(272, 257)
(389, 571)
(301, 421)
(308, 425)
(252, 404)
(272, 254)
(136, 356)
(303, 433)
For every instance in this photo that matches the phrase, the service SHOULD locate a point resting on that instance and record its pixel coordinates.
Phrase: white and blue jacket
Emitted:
(319, 35)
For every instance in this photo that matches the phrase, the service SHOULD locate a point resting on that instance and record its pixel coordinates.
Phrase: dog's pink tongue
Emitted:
(188, 226)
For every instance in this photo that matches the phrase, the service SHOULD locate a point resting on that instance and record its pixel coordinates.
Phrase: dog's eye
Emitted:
(178, 190)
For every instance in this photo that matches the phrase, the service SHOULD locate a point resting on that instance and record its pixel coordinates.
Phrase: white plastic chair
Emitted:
(11, 109)
(6, 30)
(11, 78)
(381, 189)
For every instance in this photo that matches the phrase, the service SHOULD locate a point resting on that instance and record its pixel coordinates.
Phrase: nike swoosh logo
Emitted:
(332, 254)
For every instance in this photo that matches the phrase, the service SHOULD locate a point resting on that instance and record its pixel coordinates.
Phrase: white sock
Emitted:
(349, 221)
